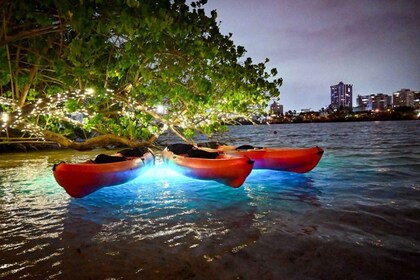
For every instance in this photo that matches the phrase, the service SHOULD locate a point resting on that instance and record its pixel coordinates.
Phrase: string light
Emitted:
(128, 107)
(5, 117)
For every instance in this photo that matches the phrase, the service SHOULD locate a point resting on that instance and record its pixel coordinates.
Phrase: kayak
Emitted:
(81, 179)
(227, 169)
(299, 160)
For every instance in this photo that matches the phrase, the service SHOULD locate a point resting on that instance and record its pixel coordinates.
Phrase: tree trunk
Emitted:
(99, 141)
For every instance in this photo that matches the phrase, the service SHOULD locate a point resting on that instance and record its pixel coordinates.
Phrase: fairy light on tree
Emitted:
(163, 65)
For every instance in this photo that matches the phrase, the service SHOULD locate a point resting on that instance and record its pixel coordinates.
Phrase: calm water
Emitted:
(355, 216)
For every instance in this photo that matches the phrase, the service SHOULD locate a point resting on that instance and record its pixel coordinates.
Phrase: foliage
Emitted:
(81, 65)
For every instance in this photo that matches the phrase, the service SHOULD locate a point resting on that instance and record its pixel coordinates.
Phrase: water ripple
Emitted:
(354, 216)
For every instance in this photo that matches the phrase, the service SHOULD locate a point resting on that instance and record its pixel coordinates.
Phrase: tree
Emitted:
(100, 70)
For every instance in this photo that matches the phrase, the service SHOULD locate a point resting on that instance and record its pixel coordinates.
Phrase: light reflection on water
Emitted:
(360, 204)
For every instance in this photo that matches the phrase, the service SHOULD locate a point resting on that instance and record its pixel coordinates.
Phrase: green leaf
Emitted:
(137, 55)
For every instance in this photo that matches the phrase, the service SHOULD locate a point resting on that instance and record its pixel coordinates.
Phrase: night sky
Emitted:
(372, 44)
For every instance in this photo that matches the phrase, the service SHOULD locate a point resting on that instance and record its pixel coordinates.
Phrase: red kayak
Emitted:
(228, 169)
(300, 160)
(81, 179)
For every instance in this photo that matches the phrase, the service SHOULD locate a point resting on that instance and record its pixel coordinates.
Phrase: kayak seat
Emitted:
(187, 149)
(180, 148)
(211, 144)
(247, 147)
(134, 152)
(196, 153)
(102, 158)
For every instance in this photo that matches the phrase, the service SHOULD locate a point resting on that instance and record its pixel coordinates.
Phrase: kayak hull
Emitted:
(230, 170)
(299, 160)
(81, 179)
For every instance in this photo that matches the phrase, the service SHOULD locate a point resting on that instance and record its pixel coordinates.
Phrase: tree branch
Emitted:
(99, 141)
(31, 33)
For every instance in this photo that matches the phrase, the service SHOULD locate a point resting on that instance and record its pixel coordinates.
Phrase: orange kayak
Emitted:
(228, 169)
(300, 160)
(81, 179)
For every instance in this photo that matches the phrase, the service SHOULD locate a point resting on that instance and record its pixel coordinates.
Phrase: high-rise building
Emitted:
(374, 102)
(364, 103)
(276, 109)
(404, 98)
(380, 102)
(417, 99)
(342, 96)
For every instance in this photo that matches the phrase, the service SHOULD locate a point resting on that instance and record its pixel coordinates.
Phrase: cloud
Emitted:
(370, 43)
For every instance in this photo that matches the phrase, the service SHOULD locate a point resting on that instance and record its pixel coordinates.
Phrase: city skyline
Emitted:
(372, 45)
(342, 96)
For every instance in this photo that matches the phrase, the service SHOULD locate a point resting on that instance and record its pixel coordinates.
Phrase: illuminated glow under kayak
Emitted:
(230, 170)
(299, 160)
(81, 179)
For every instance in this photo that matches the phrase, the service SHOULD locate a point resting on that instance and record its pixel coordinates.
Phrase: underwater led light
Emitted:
(162, 171)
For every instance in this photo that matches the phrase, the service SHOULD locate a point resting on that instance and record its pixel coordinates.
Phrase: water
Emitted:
(355, 216)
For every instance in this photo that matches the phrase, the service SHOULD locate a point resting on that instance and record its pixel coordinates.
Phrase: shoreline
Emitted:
(49, 146)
